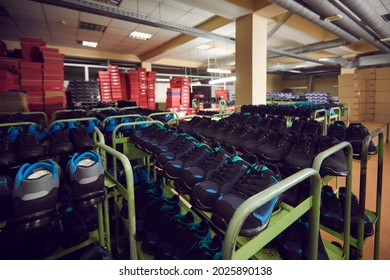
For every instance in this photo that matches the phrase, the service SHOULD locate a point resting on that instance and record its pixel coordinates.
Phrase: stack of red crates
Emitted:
(32, 83)
(133, 79)
(173, 98)
(30, 49)
(53, 79)
(9, 79)
(105, 86)
(183, 83)
(115, 80)
(142, 87)
(143, 92)
(221, 94)
(151, 81)
(124, 86)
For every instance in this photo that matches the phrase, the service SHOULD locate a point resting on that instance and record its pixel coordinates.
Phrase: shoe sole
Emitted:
(198, 204)
(331, 172)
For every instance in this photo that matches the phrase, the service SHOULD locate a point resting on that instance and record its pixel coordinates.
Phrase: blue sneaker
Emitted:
(85, 175)
(35, 194)
(254, 182)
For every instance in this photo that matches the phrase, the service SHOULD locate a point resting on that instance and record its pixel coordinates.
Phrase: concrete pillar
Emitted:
(251, 59)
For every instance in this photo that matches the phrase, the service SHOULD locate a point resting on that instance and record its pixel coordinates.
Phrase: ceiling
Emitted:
(59, 26)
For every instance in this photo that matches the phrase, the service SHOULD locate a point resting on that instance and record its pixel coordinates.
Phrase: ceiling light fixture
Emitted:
(140, 35)
(218, 71)
(204, 47)
(222, 80)
(89, 44)
(333, 17)
(385, 39)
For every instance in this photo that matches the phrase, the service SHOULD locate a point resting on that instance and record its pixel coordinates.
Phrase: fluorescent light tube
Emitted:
(89, 44)
(223, 80)
(219, 71)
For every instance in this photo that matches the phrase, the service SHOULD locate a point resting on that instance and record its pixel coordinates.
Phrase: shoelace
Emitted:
(194, 153)
(254, 182)
(27, 139)
(225, 171)
(278, 140)
(58, 136)
(181, 145)
(302, 145)
(211, 160)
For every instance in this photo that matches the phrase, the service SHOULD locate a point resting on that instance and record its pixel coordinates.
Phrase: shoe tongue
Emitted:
(86, 162)
(39, 174)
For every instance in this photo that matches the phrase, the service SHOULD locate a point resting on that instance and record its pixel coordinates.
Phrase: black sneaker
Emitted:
(338, 130)
(279, 124)
(192, 234)
(167, 233)
(85, 175)
(188, 125)
(6, 184)
(290, 244)
(73, 229)
(297, 126)
(156, 217)
(331, 214)
(368, 226)
(356, 132)
(337, 163)
(276, 148)
(304, 227)
(259, 138)
(206, 249)
(312, 129)
(59, 142)
(35, 194)
(28, 147)
(253, 183)
(172, 169)
(192, 175)
(155, 145)
(7, 152)
(183, 147)
(301, 154)
(81, 140)
(204, 194)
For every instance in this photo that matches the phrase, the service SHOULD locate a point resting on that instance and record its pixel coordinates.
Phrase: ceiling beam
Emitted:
(208, 25)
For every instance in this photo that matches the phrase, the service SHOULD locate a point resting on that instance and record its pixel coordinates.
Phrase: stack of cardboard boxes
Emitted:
(353, 90)
(367, 92)
(115, 81)
(151, 81)
(382, 95)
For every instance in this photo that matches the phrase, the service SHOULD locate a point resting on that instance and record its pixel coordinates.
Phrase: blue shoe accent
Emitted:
(13, 132)
(40, 133)
(70, 126)
(110, 126)
(76, 158)
(27, 169)
(91, 125)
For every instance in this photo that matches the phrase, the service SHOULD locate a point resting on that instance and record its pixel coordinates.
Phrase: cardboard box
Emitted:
(382, 85)
(13, 102)
(382, 108)
(382, 97)
(382, 118)
(383, 73)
